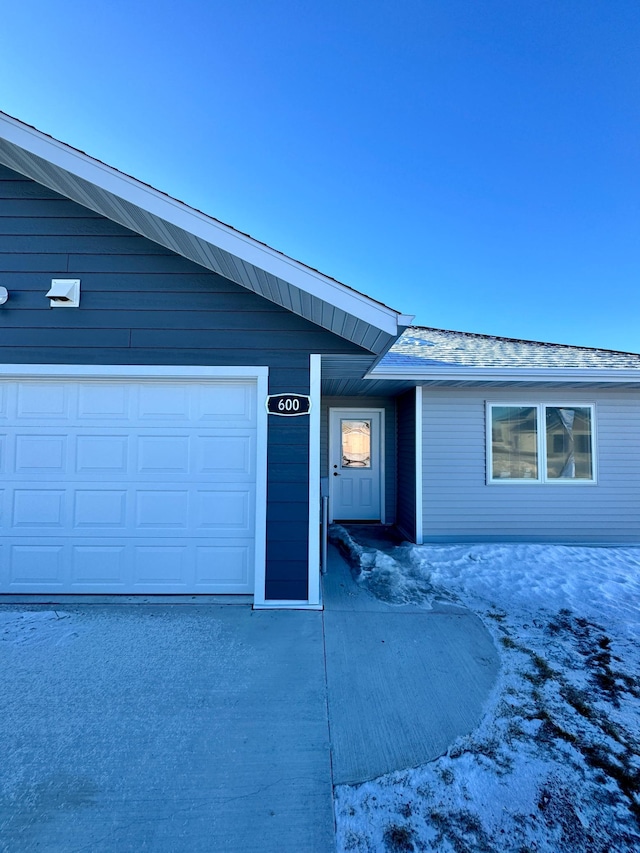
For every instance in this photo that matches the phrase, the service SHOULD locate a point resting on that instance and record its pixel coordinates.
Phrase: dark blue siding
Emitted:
(142, 304)
(406, 500)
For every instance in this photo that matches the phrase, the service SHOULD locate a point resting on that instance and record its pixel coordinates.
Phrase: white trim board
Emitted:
(419, 471)
(130, 371)
(286, 604)
(262, 382)
(315, 370)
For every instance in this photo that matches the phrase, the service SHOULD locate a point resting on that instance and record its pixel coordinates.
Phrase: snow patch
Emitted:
(554, 767)
(36, 627)
(384, 576)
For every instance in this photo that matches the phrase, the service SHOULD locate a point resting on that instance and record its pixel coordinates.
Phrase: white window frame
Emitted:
(541, 444)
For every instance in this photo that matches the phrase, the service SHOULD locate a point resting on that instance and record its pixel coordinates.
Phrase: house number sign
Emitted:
(288, 405)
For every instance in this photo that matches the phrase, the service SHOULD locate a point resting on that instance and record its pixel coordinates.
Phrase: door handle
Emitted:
(335, 474)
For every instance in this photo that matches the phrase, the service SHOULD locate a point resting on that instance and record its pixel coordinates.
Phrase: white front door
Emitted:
(355, 464)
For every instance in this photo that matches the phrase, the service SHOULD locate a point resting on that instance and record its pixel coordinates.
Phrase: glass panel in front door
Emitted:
(355, 438)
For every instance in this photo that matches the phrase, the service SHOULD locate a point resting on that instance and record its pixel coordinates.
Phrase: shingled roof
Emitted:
(422, 346)
(424, 355)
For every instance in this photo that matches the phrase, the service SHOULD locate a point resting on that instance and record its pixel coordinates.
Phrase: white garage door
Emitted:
(115, 486)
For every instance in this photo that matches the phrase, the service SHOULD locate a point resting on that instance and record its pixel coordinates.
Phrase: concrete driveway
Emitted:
(180, 728)
(163, 728)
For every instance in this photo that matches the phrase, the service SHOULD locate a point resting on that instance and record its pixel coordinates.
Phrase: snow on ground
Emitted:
(555, 765)
(36, 627)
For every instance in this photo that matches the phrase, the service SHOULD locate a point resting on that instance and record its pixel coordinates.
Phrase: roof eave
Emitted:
(204, 240)
(563, 375)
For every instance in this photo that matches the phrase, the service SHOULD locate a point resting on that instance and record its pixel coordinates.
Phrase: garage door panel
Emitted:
(162, 509)
(213, 454)
(99, 509)
(160, 565)
(226, 511)
(231, 406)
(4, 401)
(35, 453)
(164, 402)
(128, 486)
(38, 508)
(104, 401)
(224, 454)
(163, 453)
(132, 566)
(226, 564)
(44, 400)
(99, 564)
(40, 565)
(226, 508)
(215, 403)
(101, 454)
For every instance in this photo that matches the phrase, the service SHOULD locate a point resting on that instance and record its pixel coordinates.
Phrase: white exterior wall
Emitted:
(459, 506)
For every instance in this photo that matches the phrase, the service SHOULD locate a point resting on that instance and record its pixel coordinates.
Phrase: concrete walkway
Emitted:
(402, 682)
(198, 728)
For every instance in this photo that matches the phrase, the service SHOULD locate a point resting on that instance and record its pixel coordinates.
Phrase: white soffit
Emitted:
(198, 237)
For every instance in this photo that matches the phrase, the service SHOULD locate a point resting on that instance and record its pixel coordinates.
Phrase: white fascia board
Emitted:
(200, 225)
(406, 320)
(585, 375)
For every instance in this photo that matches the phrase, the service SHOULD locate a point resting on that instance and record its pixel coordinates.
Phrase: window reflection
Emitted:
(563, 435)
(514, 442)
(569, 443)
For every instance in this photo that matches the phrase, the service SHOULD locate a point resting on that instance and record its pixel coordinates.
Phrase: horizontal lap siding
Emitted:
(142, 304)
(460, 506)
(406, 501)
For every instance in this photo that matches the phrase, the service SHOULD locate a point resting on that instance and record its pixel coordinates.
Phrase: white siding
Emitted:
(460, 506)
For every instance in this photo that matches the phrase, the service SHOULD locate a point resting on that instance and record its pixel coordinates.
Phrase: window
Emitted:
(540, 443)
(356, 444)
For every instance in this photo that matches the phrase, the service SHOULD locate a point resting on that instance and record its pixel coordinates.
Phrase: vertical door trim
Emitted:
(315, 369)
(259, 589)
(383, 492)
(419, 474)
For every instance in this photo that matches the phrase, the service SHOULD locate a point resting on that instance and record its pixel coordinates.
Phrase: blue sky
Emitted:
(476, 164)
